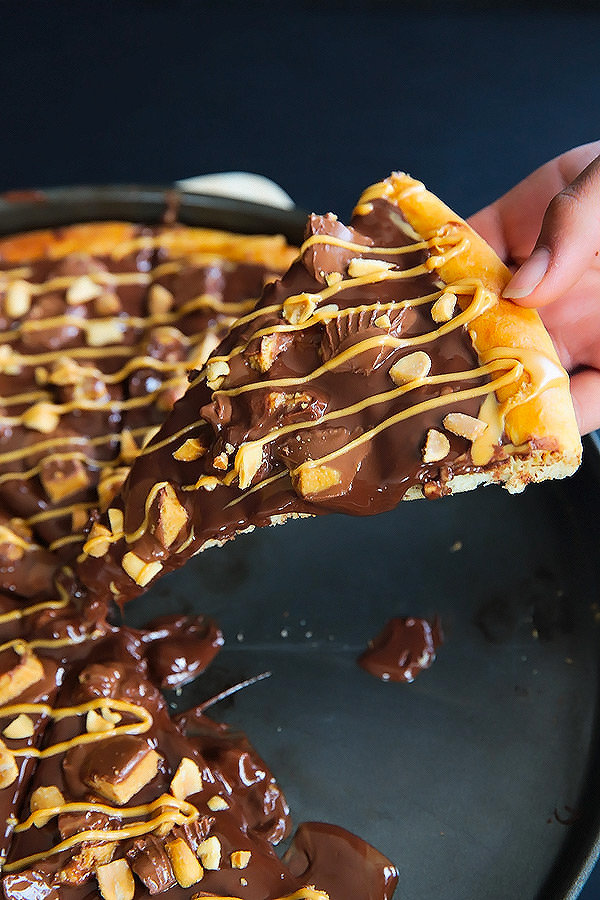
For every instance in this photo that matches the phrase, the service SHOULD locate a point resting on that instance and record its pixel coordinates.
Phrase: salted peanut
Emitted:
(65, 371)
(42, 417)
(95, 723)
(136, 765)
(98, 542)
(208, 482)
(27, 671)
(437, 446)
(333, 278)
(89, 858)
(221, 462)
(41, 375)
(216, 803)
(186, 780)
(115, 518)
(299, 308)
(240, 859)
(104, 332)
(21, 727)
(186, 868)
(172, 516)
(9, 360)
(17, 301)
(111, 481)
(8, 767)
(61, 479)
(209, 852)
(216, 371)
(361, 266)
(139, 570)
(107, 304)
(82, 290)
(248, 461)
(383, 321)
(190, 450)
(129, 448)
(443, 308)
(45, 798)
(314, 479)
(115, 880)
(160, 300)
(465, 426)
(410, 367)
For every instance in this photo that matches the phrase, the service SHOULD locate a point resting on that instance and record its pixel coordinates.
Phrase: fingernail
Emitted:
(526, 279)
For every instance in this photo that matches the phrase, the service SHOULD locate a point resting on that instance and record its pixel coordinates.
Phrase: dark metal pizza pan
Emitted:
(481, 780)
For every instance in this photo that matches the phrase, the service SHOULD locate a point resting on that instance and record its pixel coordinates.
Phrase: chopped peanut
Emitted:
(408, 368)
(20, 728)
(186, 868)
(209, 852)
(464, 426)
(115, 880)
(187, 779)
(437, 446)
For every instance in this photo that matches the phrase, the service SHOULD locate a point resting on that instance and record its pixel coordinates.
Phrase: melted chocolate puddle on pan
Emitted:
(403, 648)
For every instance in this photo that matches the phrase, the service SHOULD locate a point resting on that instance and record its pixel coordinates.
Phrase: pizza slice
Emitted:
(383, 366)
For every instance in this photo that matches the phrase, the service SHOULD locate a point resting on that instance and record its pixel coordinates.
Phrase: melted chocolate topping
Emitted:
(303, 409)
(95, 347)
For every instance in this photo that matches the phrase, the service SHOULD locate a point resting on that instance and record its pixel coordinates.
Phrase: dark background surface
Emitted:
(323, 98)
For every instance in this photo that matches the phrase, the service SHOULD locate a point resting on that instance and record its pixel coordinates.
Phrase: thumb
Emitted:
(568, 244)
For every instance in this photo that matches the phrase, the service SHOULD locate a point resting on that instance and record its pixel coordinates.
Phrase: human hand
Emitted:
(548, 228)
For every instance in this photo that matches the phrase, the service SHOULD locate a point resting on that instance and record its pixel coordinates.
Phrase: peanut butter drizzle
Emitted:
(178, 812)
(49, 443)
(14, 615)
(112, 704)
(125, 322)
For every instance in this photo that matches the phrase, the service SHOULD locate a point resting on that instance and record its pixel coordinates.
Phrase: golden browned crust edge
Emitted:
(549, 415)
(105, 238)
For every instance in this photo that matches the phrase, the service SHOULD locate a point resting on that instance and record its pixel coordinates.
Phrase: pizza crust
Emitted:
(117, 239)
(538, 416)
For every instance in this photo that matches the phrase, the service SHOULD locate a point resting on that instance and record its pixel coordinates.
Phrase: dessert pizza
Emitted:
(383, 366)
(99, 326)
(104, 795)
